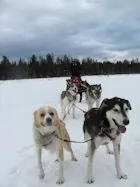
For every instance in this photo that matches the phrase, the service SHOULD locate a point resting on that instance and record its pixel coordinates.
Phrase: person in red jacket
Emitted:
(75, 71)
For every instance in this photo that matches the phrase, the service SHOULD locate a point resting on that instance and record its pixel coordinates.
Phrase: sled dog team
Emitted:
(104, 124)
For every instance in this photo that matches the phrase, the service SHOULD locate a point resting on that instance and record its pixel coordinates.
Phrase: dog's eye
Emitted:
(116, 110)
(126, 109)
(42, 114)
(51, 114)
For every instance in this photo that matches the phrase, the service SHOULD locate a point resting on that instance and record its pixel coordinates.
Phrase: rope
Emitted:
(80, 109)
(72, 141)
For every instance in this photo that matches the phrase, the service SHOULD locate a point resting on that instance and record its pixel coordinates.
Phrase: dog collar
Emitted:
(50, 137)
(50, 134)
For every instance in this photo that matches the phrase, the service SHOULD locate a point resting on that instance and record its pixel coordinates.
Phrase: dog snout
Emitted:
(48, 120)
(75, 89)
(126, 121)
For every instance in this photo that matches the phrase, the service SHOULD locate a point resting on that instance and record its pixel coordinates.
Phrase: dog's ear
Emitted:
(104, 103)
(124, 101)
(35, 119)
(128, 104)
(58, 121)
(103, 106)
(34, 116)
(68, 81)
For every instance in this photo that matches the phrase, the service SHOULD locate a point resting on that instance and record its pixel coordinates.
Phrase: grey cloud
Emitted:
(100, 29)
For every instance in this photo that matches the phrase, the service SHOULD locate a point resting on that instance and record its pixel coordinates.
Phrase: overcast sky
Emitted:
(102, 29)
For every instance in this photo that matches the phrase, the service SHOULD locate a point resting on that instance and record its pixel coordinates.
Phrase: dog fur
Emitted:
(47, 127)
(68, 99)
(103, 125)
(81, 89)
(93, 94)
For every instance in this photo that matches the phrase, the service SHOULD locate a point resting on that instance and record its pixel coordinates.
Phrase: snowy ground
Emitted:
(18, 100)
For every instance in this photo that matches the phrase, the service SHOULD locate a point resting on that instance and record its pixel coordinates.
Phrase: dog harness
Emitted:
(45, 140)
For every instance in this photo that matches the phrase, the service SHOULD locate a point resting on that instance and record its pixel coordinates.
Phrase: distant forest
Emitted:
(50, 66)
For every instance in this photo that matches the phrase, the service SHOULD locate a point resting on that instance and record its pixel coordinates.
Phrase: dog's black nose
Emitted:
(125, 121)
(48, 120)
(75, 90)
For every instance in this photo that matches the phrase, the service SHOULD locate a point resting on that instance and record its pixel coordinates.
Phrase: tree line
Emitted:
(50, 66)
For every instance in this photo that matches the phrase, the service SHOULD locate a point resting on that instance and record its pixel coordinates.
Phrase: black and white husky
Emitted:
(103, 125)
(68, 99)
(93, 94)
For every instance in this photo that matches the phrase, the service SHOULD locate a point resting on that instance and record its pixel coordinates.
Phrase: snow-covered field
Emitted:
(18, 100)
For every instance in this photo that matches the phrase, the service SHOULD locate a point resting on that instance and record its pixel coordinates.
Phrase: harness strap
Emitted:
(68, 111)
(53, 135)
(115, 123)
(111, 138)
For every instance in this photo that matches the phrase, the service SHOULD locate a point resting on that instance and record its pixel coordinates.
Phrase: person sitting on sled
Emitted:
(75, 71)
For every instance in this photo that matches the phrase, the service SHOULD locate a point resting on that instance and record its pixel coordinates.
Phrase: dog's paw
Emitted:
(74, 159)
(60, 181)
(110, 152)
(57, 160)
(41, 175)
(122, 176)
(89, 180)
